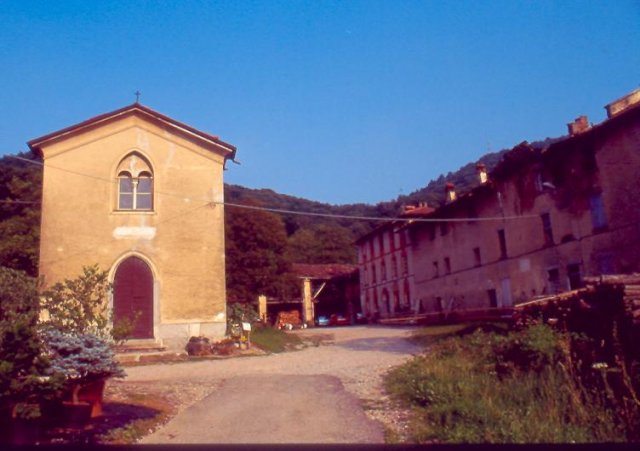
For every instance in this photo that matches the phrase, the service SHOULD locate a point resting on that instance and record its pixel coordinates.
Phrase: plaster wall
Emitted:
(530, 256)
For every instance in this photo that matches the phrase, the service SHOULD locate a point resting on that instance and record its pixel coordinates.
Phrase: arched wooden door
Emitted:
(133, 297)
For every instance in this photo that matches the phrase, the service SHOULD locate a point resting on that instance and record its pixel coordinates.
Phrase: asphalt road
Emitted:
(315, 395)
(273, 409)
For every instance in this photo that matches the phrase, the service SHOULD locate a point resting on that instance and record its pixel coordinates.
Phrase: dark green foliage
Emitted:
(20, 221)
(21, 359)
(256, 255)
(322, 244)
(294, 223)
(59, 347)
(242, 312)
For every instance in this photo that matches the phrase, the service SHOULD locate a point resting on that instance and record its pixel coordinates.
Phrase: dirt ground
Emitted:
(346, 364)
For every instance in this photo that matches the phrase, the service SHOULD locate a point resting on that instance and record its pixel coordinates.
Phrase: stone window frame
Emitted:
(132, 170)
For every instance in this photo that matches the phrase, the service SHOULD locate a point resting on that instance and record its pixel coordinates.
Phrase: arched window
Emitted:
(135, 184)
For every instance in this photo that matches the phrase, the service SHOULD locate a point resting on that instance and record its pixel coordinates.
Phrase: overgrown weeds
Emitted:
(505, 387)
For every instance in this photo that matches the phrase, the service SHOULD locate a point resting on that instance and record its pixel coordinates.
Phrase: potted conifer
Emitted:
(76, 327)
(85, 362)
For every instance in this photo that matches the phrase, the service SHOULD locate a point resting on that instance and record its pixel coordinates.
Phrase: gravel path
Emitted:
(348, 368)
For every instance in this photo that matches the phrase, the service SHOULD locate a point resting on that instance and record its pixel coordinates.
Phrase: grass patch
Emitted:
(431, 334)
(274, 340)
(487, 387)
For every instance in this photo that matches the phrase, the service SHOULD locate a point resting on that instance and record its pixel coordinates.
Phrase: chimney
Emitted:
(482, 173)
(407, 209)
(618, 106)
(579, 125)
(449, 192)
(419, 208)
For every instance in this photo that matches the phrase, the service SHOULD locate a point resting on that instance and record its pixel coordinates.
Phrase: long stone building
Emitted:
(139, 194)
(537, 224)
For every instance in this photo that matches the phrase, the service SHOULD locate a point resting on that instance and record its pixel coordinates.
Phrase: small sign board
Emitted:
(246, 327)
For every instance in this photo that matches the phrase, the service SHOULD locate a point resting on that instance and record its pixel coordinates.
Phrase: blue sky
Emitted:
(335, 101)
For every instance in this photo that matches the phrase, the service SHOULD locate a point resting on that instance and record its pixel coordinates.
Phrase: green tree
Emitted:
(256, 255)
(322, 244)
(20, 192)
(21, 358)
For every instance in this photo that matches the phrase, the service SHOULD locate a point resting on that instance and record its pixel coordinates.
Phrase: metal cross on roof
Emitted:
(137, 94)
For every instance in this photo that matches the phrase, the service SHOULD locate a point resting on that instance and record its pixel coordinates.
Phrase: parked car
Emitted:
(360, 318)
(322, 321)
(338, 320)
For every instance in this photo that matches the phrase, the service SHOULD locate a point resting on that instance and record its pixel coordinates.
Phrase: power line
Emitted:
(296, 212)
(372, 218)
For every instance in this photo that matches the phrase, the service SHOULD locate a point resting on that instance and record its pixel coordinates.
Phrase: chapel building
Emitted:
(141, 195)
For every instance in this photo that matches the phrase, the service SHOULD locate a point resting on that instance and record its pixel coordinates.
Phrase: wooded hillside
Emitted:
(300, 238)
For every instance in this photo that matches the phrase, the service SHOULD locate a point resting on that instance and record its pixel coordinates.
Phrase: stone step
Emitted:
(133, 357)
(138, 346)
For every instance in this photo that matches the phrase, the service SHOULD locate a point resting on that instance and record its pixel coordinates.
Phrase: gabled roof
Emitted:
(141, 110)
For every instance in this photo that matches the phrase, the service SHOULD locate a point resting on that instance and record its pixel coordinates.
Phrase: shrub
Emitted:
(21, 360)
(80, 305)
(237, 313)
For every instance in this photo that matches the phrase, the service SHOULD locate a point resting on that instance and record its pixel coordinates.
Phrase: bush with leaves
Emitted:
(21, 360)
(240, 312)
(81, 305)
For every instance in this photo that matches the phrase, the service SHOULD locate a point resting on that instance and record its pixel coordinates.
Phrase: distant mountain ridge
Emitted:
(464, 179)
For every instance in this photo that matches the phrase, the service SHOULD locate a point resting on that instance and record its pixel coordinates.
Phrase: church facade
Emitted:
(141, 195)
